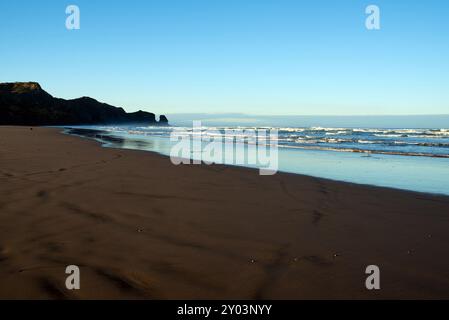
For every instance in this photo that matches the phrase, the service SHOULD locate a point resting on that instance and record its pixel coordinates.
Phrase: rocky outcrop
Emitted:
(163, 119)
(26, 103)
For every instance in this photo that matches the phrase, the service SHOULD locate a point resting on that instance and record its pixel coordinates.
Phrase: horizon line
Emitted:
(308, 115)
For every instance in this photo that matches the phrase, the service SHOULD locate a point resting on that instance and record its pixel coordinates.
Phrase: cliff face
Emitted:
(26, 103)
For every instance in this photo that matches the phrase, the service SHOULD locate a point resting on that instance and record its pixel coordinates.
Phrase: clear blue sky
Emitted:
(250, 56)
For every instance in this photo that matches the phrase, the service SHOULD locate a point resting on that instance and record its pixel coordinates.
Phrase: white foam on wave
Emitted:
(390, 140)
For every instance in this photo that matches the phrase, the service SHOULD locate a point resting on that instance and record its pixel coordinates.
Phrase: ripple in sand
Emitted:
(4, 253)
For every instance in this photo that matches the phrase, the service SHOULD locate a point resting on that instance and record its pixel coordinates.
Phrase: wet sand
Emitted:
(140, 227)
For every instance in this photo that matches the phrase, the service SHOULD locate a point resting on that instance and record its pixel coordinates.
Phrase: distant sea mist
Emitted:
(389, 121)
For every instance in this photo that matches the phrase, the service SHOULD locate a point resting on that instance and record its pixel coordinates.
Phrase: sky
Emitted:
(285, 57)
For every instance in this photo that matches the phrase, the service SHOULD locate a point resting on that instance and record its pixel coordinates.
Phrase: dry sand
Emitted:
(140, 227)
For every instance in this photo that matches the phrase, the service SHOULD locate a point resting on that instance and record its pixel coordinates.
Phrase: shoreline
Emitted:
(140, 227)
(103, 145)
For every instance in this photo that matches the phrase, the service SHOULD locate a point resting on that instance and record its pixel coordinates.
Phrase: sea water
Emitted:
(411, 159)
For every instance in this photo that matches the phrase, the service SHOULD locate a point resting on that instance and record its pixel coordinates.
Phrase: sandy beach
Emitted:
(140, 227)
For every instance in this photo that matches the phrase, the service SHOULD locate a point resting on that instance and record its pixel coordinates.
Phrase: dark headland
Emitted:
(26, 103)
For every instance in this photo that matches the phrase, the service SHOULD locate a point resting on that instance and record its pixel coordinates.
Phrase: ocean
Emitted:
(415, 159)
